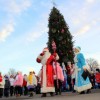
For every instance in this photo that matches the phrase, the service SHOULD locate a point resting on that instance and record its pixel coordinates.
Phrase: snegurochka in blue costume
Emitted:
(81, 84)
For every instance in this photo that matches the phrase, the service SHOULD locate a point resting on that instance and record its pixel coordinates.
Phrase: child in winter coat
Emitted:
(25, 84)
(58, 77)
(32, 82)
(18, 84)
(1, 85)
(11, 85)
(6, 87)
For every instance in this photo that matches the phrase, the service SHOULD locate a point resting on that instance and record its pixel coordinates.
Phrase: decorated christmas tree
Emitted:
(60, 34)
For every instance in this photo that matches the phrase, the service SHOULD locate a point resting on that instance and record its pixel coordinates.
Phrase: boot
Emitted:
(56, 93)
(31, 95)
(43, 95)
(83, 92)
(73, 91)
(51, 93)
(59, 91)
(88, 91)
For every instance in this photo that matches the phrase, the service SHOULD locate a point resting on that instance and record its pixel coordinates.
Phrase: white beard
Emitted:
(45, 57)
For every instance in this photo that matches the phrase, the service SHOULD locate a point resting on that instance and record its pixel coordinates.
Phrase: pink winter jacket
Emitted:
(58, 72)
(18, 80)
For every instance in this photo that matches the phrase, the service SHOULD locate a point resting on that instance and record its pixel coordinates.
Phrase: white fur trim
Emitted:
(79, 69)
(45, 58)
(44, 88)
(44, 77)
(47, 89)
(83, 88)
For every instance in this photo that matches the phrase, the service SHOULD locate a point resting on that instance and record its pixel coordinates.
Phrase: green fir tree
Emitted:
(59, 32)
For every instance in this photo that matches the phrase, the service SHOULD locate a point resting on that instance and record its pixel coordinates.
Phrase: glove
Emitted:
(84, 69)
(41, 54)
(38, 60)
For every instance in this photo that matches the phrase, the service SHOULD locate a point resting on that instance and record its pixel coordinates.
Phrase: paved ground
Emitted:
(95, 95)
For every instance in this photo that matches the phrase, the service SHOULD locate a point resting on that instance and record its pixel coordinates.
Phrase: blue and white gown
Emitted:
(80, 83)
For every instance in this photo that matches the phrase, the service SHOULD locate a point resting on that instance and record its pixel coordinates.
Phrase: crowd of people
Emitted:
(52, 78)
(17, 85)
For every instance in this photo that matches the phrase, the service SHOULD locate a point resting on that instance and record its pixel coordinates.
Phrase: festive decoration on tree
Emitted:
(62, 31)
(53, 30)
(59, 32)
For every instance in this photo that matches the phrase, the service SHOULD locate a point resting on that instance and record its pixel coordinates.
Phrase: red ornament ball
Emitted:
(62, 31)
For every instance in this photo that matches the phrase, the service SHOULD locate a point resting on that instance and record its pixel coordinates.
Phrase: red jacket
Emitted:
(68, 70)
(24, 82)
(0, 78)
(97, 77)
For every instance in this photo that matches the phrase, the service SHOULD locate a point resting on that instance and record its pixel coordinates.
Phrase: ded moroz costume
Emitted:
(47, 72)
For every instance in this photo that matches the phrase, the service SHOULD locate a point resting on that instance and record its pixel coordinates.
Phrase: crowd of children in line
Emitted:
(17, 85)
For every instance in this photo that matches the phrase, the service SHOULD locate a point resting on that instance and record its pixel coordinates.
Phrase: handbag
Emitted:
(85, 74)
